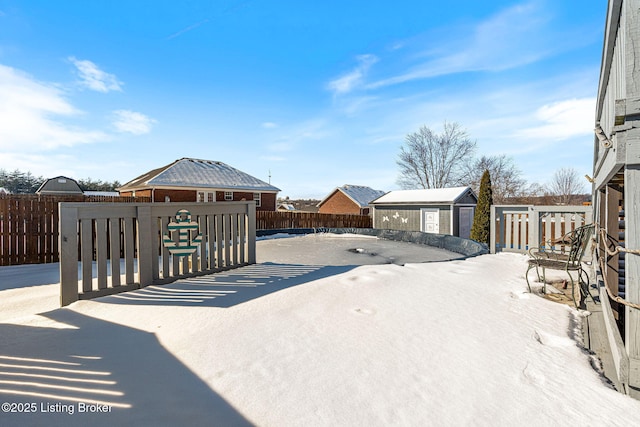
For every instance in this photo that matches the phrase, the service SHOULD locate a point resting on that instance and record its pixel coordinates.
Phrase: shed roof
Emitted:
(197, 173)
(59, 185)
(360, 194)
(433, 195)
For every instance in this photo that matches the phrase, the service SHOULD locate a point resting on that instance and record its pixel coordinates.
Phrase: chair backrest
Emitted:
(579, 243)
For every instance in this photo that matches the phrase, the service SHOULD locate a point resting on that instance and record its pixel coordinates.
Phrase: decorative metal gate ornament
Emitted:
(185, 228)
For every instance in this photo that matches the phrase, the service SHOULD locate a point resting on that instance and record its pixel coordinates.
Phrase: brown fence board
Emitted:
(4, 229)
(29, 226)
(267, 220)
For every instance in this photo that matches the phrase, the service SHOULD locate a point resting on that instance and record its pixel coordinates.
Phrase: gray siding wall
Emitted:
(468, 199)
(391, 218)
(394, 216)
(456, 221)
(445, 219)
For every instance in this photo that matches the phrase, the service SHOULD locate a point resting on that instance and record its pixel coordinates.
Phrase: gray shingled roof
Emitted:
(360, 194)
(198, 173)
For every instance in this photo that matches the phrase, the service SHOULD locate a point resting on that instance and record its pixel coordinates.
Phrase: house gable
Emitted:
(339, 203)
(353, 199)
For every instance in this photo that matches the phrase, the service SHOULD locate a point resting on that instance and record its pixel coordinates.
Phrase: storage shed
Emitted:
(439, 210)
(60, 185)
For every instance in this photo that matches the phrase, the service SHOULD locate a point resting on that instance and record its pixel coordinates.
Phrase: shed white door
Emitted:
(465, 223)
(431, 220)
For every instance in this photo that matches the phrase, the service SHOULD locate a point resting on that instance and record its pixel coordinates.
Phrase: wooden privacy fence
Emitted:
(29, 225)
(266, 220)
(160, 242)
(516, 228)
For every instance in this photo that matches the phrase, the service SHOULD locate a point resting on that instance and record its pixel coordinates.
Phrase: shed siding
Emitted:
(445, 219)
(468, 199)
(456, 221)
(391, 217)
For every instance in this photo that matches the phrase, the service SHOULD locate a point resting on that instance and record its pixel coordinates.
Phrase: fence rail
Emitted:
(160, 242)
(267, 220)
(516, 228)
(29, 225)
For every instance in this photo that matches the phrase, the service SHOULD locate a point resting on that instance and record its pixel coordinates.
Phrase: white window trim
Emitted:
(228, 195)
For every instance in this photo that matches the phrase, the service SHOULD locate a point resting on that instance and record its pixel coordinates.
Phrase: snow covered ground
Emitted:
(297, 342)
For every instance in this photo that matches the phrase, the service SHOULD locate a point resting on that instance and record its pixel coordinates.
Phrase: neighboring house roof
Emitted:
(360, 194)
(197, 173)
(59, 185)
(4, 191)
(434, 195)
(286, 207)
(102, 193)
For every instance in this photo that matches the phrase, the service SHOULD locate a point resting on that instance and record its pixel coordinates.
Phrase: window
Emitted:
(228, 195)
(257, 198)
(206, 197)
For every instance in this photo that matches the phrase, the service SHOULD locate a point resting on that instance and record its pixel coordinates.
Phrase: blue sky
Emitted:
(320, 94)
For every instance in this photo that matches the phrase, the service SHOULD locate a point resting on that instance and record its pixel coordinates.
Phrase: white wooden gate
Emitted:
(516, 228)
(111, 248)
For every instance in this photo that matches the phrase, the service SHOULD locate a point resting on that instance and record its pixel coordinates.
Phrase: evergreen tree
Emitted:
(482, 219)
(18, 182)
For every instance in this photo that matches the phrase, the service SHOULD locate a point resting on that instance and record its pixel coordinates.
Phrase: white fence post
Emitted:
(534, 227)
(68, 244)
(146, 240)
(494, 229)
(251, 233)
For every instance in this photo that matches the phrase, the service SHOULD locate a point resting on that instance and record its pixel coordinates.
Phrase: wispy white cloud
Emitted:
(562, 120)
(289, 138)
(33, 115)
(354, 78)
(511, 38)
(187, 29)
(273, 158)
(269, 125)
(94, 78)
(280, 146)
(132, 122)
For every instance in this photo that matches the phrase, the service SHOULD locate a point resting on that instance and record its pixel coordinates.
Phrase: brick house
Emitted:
(207, 181)
(349, 199)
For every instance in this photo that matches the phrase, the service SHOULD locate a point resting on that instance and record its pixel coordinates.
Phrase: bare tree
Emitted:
(432, 160)
(505, 177)
(565, 185)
